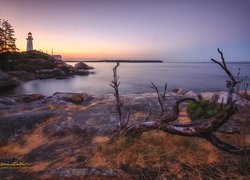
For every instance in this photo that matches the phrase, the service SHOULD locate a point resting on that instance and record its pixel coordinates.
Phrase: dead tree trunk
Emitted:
(121, 122)
(231, 83)
(203, 128)
(161, 97)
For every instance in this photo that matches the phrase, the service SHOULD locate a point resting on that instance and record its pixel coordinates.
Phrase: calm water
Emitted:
(136, 78)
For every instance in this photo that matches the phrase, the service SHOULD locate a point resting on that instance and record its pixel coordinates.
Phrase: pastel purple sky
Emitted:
(172, 30)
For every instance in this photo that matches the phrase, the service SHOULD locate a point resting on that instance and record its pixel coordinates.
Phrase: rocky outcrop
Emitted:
(51, 135)
(50, 73)
(215, 97)
(221, 97)
(23, 75)
(71, 97)
(82, 69)
(7, 80)
(82, 65)
(18, 67)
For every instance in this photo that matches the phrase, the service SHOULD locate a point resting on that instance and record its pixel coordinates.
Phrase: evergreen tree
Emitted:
(8, 40)
(1, 36)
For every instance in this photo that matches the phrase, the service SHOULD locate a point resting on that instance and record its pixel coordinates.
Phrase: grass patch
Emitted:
(203, 110)
(158, 155)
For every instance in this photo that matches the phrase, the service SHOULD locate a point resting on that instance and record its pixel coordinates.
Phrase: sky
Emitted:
(169, 30)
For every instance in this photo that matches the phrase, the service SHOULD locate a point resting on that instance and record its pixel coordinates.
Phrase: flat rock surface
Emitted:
(43, 131)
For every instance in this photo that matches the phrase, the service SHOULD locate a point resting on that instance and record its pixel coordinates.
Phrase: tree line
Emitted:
(7, 37)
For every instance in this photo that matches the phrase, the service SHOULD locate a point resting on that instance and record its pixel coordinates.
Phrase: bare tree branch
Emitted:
(119, 104)
(226, 147)
(161, 98)
(230, 83)
(203, 128)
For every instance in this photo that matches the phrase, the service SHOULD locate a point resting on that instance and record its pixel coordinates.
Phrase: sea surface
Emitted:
(137, 78)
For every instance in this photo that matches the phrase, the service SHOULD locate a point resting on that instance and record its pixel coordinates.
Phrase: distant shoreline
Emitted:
(147, 61)
(122, 61)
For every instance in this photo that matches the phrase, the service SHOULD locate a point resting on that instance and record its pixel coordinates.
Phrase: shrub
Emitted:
(203, 110)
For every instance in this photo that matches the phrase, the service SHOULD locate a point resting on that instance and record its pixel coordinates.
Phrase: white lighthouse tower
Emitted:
(29, 42)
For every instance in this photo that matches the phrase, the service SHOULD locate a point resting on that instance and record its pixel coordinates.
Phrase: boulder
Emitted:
(71, 97)
(82, 65)
(221, 97)
(191, 94)
(7, 80)
(180, 91)
(66, 68)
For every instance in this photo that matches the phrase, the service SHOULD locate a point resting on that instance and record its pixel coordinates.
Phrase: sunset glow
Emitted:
(167, 30)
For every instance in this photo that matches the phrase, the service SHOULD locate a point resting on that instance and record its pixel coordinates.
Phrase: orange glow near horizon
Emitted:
(163, 30)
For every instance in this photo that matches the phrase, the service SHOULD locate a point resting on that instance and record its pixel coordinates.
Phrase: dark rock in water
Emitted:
(82, 65)
(11, 124)
(7, 80)
(82, 72)
(71, 97)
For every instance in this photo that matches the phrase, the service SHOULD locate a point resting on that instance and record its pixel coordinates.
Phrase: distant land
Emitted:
(152, 61)
(120, 61)
(208, 62)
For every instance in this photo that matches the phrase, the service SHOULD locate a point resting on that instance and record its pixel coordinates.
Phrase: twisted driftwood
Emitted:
(203, 128)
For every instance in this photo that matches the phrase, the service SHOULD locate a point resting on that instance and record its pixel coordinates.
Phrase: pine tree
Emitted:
(1, 36)
(8, 43)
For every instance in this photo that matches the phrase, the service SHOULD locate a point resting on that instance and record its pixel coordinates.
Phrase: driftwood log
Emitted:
(203, 128)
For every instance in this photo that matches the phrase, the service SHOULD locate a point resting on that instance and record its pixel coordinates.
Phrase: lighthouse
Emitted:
(29, 42)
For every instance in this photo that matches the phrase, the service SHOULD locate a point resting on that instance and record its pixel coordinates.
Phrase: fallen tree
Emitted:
(203, 128)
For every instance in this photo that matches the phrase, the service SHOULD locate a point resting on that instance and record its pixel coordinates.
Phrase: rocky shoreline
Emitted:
(48, 129)
(10, 79)
(16, 68)
(23, 109)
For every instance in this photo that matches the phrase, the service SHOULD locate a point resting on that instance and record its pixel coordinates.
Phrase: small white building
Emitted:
(57, 57)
